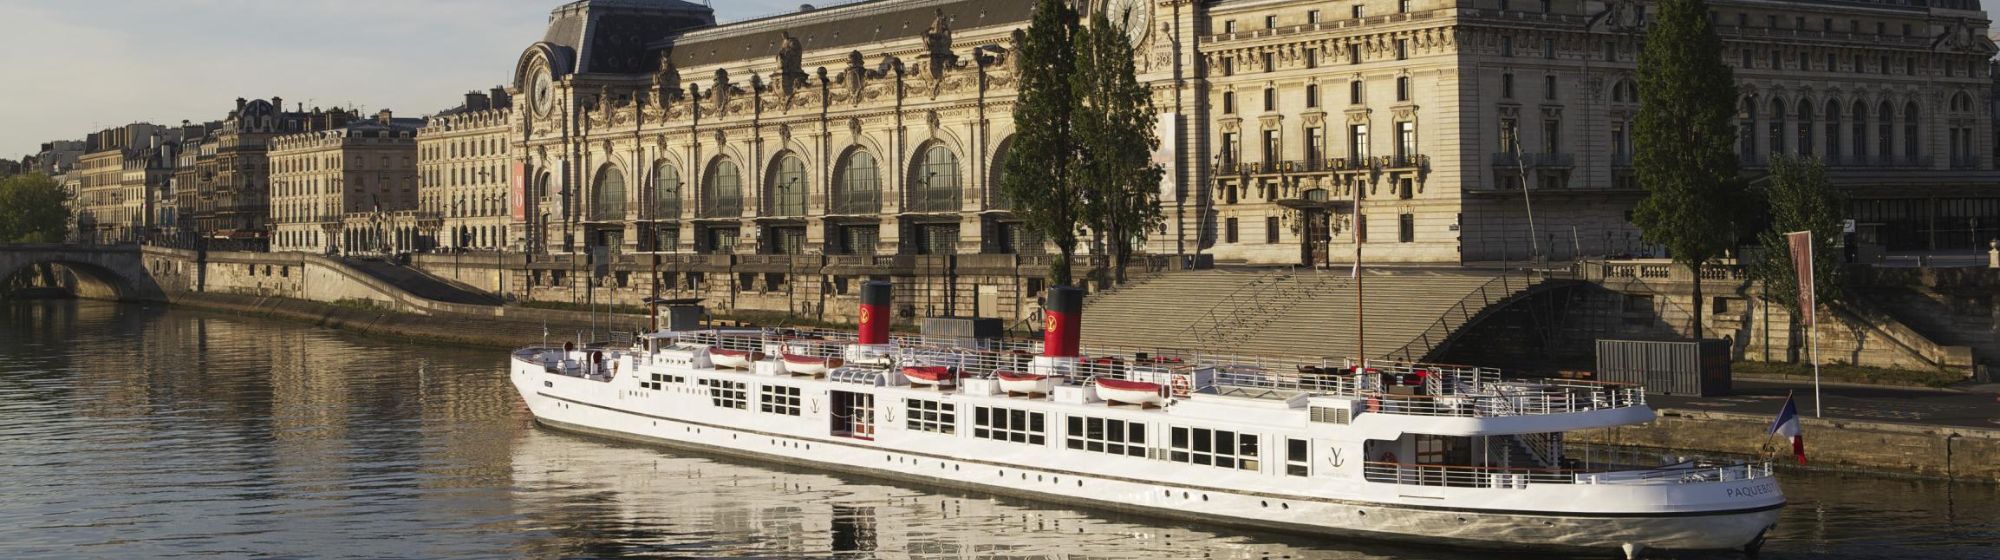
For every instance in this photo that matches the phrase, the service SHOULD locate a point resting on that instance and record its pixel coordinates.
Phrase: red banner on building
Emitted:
(519, 197)
(1802, 265)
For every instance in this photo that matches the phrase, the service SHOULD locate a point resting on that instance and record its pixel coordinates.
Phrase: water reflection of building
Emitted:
(603, 498)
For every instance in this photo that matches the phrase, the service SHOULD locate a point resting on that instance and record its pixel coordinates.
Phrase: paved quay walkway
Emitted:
(1975, 408)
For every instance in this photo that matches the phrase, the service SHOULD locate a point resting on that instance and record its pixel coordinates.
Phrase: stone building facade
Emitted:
(236, 204)
(119, 179)
(1454, 119)
(356, 174)
(465, 164)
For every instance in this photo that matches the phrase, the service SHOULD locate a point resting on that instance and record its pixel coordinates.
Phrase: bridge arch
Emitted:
(97, 273)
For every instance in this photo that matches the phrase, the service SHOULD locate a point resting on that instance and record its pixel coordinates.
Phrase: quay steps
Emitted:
(1312, 315)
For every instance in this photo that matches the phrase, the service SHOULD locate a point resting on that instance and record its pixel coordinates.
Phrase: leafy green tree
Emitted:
(1042, 162)
(1685, 140)
(1114, 130)
(32, 210)
(1801, 199)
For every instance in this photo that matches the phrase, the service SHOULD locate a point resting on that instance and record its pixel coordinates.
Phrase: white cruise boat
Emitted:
(1432, 454)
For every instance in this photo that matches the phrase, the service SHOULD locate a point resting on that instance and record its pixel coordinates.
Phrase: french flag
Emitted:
(1787, 424)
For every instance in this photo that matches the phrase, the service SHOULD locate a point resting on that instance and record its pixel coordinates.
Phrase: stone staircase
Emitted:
(420, 283)
(1946, 320)
(1296, 313)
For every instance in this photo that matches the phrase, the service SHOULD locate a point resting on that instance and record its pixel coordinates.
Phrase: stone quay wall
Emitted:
(1945, 452)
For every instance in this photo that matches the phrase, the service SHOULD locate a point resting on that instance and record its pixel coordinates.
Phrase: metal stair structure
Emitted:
(1296, 313)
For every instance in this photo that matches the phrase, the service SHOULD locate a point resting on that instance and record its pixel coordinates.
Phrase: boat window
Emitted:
(931, 416)
(1298, 457)
(727, 394)
(779, 399)
(1101, 435)
(1219, 448)
(1018, 426)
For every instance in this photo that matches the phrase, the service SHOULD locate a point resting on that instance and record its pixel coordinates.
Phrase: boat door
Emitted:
(853, 415)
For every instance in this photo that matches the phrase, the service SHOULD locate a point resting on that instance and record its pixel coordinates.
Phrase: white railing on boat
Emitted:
(1389, 387)
(1459, 476)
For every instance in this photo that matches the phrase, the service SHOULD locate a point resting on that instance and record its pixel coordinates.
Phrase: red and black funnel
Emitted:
(874, 312)
(1063, 332)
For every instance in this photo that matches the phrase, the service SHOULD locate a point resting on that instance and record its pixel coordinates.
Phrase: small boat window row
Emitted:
(660, 380)
(1219, 448)
(930, 416)
(1101, 435)
(724, 393)
(779, 399)
(1005, 424)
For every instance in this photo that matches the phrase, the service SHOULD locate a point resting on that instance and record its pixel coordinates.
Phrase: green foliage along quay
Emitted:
(1686, 142)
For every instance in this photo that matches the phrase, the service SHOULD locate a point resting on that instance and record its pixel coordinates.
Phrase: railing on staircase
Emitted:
(1497, 290)
(1544, 448)
(1246, 311)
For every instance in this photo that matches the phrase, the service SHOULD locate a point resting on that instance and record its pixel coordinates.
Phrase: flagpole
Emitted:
(1812, 324)
(1360, 302)
(1773, 432)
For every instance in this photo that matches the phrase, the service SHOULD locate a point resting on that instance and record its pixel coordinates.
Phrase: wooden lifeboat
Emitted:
(1024, 383)
(1130, 392)
(808, 365)
(931, 375)
(733, 359)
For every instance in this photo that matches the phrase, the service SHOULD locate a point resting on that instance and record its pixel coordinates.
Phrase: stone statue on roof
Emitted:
(937, 39)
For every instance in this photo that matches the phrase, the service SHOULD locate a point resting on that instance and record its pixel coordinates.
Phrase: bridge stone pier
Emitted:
(105, 272)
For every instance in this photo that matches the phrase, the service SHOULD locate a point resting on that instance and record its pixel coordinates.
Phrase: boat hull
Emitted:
(1495, 529)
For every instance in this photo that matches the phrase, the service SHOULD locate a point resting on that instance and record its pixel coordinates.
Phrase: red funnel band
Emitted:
(874, 321)
(1061, 335)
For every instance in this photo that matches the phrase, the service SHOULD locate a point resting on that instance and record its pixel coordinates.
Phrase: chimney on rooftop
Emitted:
(475, 101)
(384, 117)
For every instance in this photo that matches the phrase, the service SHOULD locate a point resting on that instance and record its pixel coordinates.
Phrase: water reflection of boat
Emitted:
(1430, 453)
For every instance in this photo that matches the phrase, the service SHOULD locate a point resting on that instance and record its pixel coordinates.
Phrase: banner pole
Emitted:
(1812, 323)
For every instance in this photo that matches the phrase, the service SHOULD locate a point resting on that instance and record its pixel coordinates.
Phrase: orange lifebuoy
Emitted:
(1181, 385)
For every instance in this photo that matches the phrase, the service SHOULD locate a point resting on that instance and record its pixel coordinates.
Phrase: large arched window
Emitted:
(1777, 135)
(999, 182)
(607, 199)
(1805, 143)
(666, 192)
(785, 190)
(1833, 131)
(1912, 139)
(1860, 128)
(857, 184)
(1885, 132)
(1747, 131)
(934, 181)
(722, 192)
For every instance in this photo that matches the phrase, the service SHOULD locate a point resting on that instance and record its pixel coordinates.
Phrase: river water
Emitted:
(143, 432)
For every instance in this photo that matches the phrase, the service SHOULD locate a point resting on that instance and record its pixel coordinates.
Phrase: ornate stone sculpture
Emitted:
(791, 70)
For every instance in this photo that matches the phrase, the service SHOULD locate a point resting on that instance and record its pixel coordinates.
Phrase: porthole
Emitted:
(1204, 497)
(1184, 494)
(1079, 484)
(1284, 506)
(1363, 512)
(1264, 503)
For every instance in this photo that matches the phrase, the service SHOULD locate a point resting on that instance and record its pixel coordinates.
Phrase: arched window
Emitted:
(1885, 132)
(1912, 139)
(666, 192)
(607, 201)
(1961, 103)
(785, 190)
(998, 185)
(722, 192)
(1805, 143)
(1747, 131)
(1833, 131)
(1777, 135)
(857, 184)
(934, 181)
(1860, 128)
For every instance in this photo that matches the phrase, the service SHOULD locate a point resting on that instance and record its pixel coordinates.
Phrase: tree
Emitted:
(1686, 137)
(32, 210)
(1039, 173)
(1114, 130)
(1801, 199)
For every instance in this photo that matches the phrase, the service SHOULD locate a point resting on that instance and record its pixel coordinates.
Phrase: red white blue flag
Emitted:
(1787, 424)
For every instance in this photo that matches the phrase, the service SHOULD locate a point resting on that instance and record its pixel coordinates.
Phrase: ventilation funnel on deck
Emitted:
(874, 312)
(1063, 330)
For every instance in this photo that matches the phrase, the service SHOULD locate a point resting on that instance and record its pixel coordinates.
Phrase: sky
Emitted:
(71, 67)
